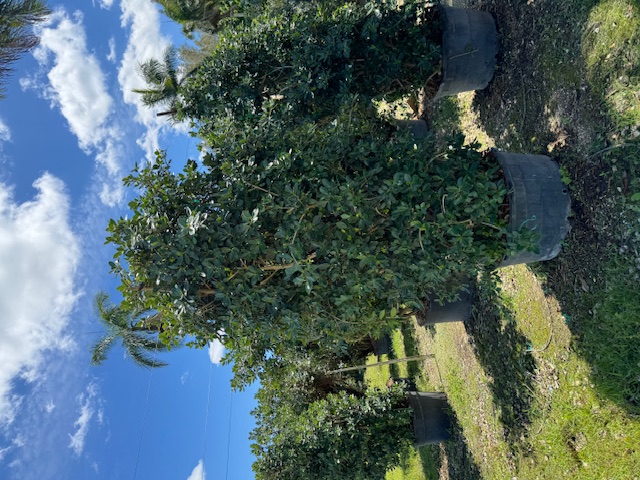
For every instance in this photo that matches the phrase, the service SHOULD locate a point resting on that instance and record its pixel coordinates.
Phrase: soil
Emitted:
(527, 109)
(540, 102)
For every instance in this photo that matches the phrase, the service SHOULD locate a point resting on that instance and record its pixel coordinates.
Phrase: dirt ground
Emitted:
(540, 101)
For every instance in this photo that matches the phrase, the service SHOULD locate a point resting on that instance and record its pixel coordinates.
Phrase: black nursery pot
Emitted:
(456, 311)
(431, 420)
(538, 200)
(469, 48)
(418, 128)
(382, 345)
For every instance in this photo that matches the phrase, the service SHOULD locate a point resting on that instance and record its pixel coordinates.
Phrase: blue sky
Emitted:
(70, 129)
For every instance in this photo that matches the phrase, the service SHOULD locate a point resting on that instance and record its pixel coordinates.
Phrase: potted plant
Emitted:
(458, 309)
(539, 206)
(537, 216)
(313, 56)
(469, 49)
(320, 234)
(431, 419)
(382, 345)
(346, 436)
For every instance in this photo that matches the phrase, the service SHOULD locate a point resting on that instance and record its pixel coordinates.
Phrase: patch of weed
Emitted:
(560, 30)
(581, 436)
(611, 49)
(460, 463)
(610, 338)
(412, 467)
(410, 349)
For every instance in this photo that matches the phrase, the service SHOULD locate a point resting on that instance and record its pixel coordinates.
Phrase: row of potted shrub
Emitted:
(316, 222)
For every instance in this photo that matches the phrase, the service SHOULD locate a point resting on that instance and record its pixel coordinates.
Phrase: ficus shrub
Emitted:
(310, 55)
(320, 234)
(341, 436)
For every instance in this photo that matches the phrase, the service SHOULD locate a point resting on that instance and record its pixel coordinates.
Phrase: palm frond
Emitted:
(101, 348)
(170, 57)
(143, 360)
(152, 71)
(23, 12)
(120, 323)
(162, 80)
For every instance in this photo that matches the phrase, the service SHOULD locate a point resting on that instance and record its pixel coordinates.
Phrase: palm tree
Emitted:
(203, 15)
(163, 81)
(138, 335)
(16, 17)
(193, 54)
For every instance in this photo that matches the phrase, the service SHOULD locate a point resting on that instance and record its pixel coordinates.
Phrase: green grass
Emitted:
(579, 435)
(415, 464)
(610, 338)
(611, 49)
(544, 382)
(570, 430)
(575, 431)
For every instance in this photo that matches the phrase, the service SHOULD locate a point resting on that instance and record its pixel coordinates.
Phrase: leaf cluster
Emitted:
(17, 17)
(340, 436)
(319, 234)
(205, 16)
(311, 56)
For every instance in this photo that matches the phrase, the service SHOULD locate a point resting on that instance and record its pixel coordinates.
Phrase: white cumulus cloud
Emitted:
(78, 87)
(5, 133)
(216, 352)
(198, 472)
(87, 402)
(145, 42)
(39, 257)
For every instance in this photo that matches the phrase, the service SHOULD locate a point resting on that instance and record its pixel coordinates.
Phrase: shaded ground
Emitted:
(562, 377)
(546, 98)
(503, 352)
(456, 461)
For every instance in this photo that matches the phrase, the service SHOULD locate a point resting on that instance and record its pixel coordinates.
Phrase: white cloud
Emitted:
(198, 472)
(82, 428)
(111, 56)
(216, 351)
(4, 451)
(49, 406)
(77, 83)
(105, 4)
(5, 133)
(39, 255)
(78, 87)
(145, 42)
(87, 401)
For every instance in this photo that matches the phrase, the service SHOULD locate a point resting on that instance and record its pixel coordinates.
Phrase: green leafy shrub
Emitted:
(322, 234)
(310, 55)
(341, 436)
(208, 16)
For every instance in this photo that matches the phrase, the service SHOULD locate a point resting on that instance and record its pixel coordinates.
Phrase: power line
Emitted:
(206, 418)
(144, 416)
(229, 435)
